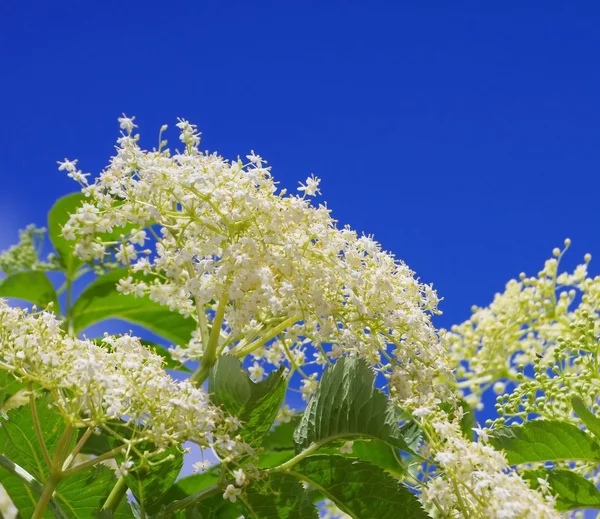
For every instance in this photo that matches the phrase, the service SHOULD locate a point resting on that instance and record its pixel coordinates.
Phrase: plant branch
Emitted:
(38, 427)
(116, 495)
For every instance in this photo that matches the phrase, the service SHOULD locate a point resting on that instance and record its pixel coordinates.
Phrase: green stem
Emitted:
(187, 502)
(68, 317)
(46, 496)
(249, 348)
(210, 353)
(116, 495)
(38, 427)
(90, 463)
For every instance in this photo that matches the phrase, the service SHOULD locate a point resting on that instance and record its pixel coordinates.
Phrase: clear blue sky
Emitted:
(463, 135)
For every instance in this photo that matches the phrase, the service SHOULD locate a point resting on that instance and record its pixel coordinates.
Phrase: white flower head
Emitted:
(231, 493)
(347, 447)
(312, 186)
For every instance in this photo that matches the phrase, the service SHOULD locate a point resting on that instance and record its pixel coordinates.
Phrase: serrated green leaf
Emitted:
(281, 496)
(150, 484)
(100, 300)
(31, 286)
(346, 404)
(587, 417)
(18, 442)
(82, 495)
(358, 488)
(255, 404)
(545, 440)
(57, 217)
(572, 490)
(9, 386)
(211, 507)
(79, 495)
(281, 437)
(467, 422)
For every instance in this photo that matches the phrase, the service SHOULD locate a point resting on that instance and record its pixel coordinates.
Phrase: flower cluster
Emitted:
(471, 479)
(25, 255)
(96, 385)
(521, 327)
(261, 271)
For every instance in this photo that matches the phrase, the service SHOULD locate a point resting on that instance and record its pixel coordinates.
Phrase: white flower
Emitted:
(231, 493)
(482, 434)
(257, 372)
(312, 186)
(124, 468)
(420, 412)
(201, 466)
(544, 485)
(285, 414)
(347, 448)
(126, 123)
(240, 477)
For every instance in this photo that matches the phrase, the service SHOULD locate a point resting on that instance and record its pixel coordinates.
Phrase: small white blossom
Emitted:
(231, 493)
(347, 448)
(312, 186)
(240, 477)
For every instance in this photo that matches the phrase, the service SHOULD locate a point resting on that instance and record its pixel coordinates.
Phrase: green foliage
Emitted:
(150, 484)
(31, 286)
(347, 405)
(590, 420)
(359, 488)
(572, 490)
(280, 496)
(545, 440)
(79, 496)
(57, 217)
(9, 385)
(100, 300)
(255, 404)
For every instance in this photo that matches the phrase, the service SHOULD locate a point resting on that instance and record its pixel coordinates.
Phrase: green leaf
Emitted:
(347, 405)
(212, 507)
(18, 442)
(79, 495)
(281, 437)
(150, 484)
(587, 417)
(545, 440)
(83, 494)
(100, 300)
(31, 286)
(572, 490)
(255, 404)
(57, 217)
(467, 422)
(359, 488)
(279, 497)
(9, 386)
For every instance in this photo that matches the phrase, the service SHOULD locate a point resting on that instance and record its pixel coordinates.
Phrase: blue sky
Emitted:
(463, 135)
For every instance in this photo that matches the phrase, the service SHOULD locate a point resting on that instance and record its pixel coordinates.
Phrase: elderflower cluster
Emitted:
(573, 372)
(521, 327)
(102, 384)
(262, 272)
(471, 479)
(24, 255)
